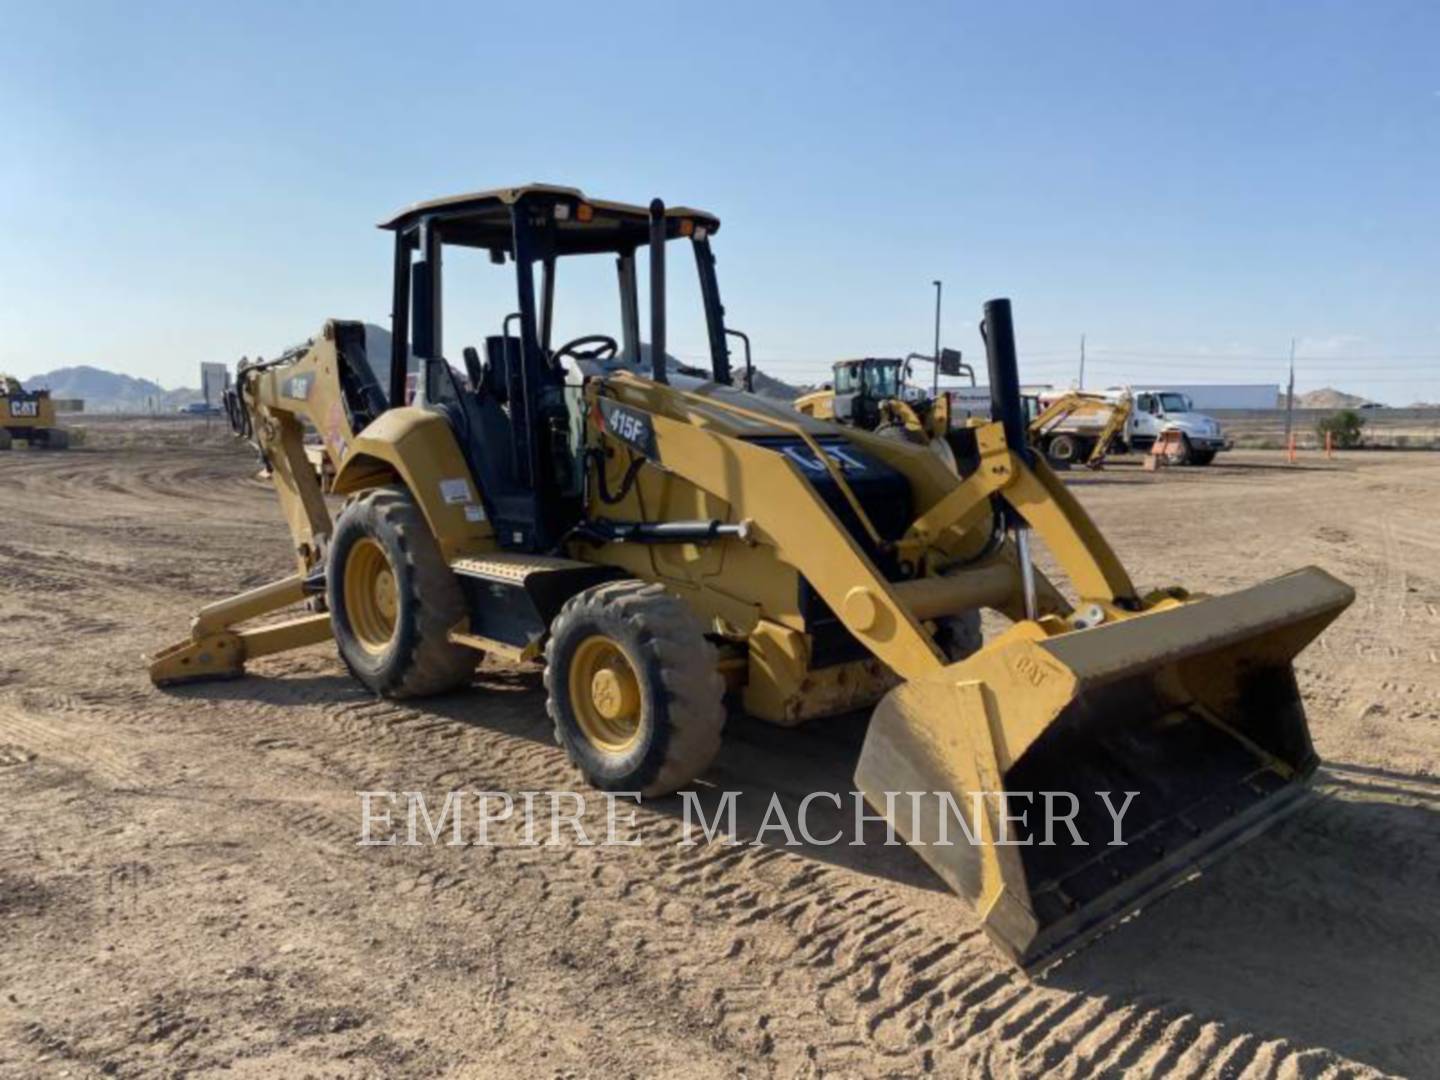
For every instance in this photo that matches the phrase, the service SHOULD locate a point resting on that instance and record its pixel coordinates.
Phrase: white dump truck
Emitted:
(1153, 410)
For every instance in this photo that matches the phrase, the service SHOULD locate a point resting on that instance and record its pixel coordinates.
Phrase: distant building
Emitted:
(1221, 395)
(975, 400)
(214, 380)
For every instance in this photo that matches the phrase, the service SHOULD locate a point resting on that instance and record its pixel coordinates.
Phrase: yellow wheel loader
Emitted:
(665, 541)
(29, 415)
(875, 394)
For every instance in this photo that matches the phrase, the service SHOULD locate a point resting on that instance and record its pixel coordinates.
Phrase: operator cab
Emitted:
(861, 385)
(521, 390)
(1163, 403)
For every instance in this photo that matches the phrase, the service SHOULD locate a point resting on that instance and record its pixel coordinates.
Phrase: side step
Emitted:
(512, 597)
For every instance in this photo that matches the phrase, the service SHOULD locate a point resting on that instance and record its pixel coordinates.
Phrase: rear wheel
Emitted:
(393, 599)
(634, 688)
(1064, 449)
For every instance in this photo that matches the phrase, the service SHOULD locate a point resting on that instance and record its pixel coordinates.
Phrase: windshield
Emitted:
(1175, 403)
(883, 380)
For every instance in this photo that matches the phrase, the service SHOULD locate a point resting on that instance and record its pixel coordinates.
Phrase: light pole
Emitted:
(1290, 396)
(935, 388)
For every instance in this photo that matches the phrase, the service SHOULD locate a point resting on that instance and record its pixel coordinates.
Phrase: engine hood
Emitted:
(687, 398)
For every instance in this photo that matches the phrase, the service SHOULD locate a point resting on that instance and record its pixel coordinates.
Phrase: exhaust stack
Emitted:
(657, 291)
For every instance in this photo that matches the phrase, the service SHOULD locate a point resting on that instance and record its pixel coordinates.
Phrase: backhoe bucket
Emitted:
(1193, 707)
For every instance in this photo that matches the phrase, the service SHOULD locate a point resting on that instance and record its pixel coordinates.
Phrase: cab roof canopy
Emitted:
(582, 224)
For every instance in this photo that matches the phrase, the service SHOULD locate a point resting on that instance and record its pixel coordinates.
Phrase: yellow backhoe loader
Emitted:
(29, 415)
(1078, 427)
(663, 540)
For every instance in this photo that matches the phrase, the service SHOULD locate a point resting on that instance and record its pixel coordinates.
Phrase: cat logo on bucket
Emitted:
(1030, 670)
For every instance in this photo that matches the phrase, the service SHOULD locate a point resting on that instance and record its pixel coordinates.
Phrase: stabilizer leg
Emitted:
(217, 651)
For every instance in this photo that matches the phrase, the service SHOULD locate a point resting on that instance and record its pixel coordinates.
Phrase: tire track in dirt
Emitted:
(775, 949)
(40, 733)
(137, 478)
(883, 978)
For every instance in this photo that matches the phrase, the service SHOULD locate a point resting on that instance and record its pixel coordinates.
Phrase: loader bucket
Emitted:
(1191, 706)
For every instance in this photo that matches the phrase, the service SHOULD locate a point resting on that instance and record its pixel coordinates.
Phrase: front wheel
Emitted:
(1201, 457)
(899, 433)
(634, 688)
(393, 599)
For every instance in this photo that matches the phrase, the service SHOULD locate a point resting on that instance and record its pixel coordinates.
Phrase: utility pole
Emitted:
(1082, 363)
(935, 388)
(1290, 395)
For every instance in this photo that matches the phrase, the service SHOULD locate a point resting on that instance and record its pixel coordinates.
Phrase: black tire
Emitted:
(1185, 455)
(680, 713)
(898, 433)
(1065, 449)
(1201, 457)
(418, 659)
(4, 439)
(959, 636)
(54, 439)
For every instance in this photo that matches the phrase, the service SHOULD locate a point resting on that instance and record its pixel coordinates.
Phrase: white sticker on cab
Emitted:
(474, 512)
(456, 490)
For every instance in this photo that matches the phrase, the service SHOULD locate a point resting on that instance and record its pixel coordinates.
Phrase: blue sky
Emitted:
(1189, 187)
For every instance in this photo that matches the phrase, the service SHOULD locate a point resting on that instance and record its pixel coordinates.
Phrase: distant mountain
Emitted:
(772, 387)
(765, 385)
(1326, 399)
(110, 391)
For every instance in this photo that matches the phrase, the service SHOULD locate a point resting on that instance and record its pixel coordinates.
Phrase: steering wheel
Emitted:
(603, 347)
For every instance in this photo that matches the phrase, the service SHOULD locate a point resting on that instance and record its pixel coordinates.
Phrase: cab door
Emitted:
(1145, 420)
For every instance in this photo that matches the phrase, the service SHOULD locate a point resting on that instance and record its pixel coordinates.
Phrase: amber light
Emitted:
(584, 212)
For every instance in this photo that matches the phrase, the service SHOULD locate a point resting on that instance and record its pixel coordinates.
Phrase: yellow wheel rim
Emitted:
(371, 596)
(605, 695)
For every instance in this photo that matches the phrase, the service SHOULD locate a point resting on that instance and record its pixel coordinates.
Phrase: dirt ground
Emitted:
(181, 892)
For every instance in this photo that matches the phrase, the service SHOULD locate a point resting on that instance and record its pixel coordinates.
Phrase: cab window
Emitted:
(883, 380)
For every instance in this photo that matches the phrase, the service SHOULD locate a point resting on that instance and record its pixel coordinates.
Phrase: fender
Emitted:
(418, 448)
